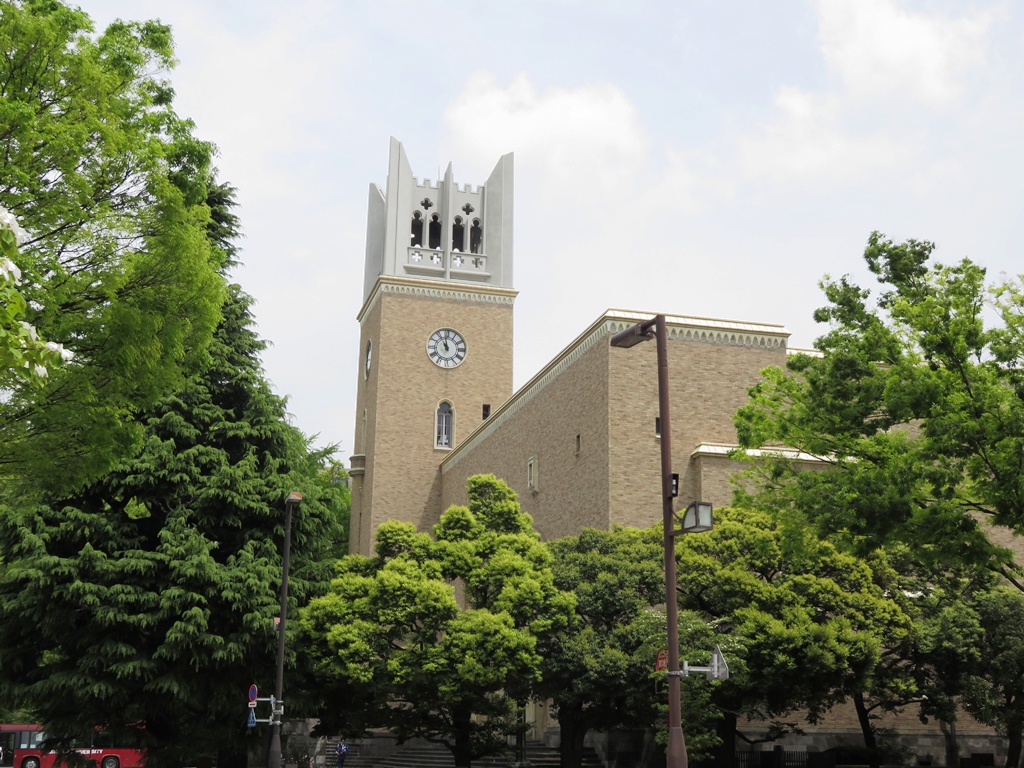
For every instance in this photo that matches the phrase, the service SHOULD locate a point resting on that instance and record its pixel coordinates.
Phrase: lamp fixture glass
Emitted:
(698, 518)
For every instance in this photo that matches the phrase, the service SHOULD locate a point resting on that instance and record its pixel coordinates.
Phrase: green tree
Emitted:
(994, 692)
(930, 664)
(599, 671)
(916, 406)
(807, 621)
(111, 186)
(397, 648)
(149, 595)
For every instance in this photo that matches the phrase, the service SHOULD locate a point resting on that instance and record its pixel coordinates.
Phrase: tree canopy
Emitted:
(806, 622)
(143, 480)
(111, 187)
(599, 671)
(994, 685)
(916, 406)
(397, 646)
(149, 595)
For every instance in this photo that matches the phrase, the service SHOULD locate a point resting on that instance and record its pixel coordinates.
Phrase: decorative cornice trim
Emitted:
(680, 328)
(707, 330)
(435, 289)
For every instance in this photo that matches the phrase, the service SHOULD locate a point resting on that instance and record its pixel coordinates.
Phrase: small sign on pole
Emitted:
(661, 664)
(717, 670)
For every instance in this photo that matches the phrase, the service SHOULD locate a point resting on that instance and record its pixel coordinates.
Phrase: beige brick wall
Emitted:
(610, 398)
(365, 433)
(404, 389)
(707, 383)
(715, 478)
(572, 490)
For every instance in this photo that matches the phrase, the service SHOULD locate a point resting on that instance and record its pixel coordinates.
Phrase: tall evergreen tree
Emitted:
(149, 597)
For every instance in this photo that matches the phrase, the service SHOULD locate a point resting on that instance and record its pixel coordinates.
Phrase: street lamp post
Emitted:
(697, 517)
(277, 705)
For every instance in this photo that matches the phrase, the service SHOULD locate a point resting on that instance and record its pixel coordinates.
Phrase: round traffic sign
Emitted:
(253, 692)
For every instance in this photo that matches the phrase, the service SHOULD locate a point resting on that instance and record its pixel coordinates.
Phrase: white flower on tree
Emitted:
(7, 219)
(23, 355)
(9, 270)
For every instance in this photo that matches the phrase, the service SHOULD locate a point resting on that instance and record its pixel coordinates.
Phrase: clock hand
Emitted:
(445, 342)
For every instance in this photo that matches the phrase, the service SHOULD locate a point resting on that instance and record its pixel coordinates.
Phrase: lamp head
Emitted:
(293, 500)
(698, 518)
(632, 336)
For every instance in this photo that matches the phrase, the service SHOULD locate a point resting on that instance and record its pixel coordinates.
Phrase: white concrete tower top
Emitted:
(437, 230)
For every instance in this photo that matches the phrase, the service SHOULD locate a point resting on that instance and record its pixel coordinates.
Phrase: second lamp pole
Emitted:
(274, 756)
(675, 755)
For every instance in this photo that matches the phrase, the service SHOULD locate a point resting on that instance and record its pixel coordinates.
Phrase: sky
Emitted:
(713, 158)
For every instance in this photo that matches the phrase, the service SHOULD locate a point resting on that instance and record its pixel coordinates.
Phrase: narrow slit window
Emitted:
(531, 473)
(579, 443)
(445, 423)
(486, 412)
(657, 426)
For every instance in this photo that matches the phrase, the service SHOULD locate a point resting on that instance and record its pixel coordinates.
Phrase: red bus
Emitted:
(21, 747)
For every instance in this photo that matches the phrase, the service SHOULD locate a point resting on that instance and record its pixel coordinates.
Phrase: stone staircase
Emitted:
(437, 756)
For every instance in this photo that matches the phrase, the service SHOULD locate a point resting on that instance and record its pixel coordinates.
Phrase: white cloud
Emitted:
(581, 142)
(262, 101)
(880, 50)
(811, 139)
(898, 74)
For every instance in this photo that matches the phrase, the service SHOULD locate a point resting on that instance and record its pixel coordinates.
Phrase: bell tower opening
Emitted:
(417, 229)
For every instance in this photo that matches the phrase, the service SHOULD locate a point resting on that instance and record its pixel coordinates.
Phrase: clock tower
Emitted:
(435, 337)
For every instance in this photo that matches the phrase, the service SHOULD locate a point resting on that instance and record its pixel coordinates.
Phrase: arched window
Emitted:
(476, 237)
(445, 426)
(417, 229)
(434, 232)
(458, 235)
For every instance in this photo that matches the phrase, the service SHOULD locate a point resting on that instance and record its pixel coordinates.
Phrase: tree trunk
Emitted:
(725, 753)
(1013, 733)
(574, 731)
(948, 728)
(462, 749)
(867, 730)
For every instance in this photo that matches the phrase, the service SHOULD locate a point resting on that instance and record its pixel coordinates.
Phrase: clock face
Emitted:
(366, 370)
(446, 348)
